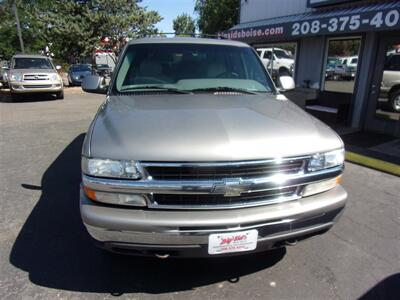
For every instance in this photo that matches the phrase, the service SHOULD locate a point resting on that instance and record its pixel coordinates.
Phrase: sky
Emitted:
(169, 10)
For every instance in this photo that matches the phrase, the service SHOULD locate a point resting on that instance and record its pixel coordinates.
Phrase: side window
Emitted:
(267, 55)
(393, 63)
(259, 52)
(345, 61)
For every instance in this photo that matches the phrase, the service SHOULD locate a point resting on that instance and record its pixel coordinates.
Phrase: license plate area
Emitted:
(240, 241)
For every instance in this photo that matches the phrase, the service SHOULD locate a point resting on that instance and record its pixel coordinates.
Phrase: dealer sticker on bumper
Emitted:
(220, 243)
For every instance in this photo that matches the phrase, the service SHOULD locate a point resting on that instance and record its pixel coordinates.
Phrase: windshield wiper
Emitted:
(224, 89)
(154, 87)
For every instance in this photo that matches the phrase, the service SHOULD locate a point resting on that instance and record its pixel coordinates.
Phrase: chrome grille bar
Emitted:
(34, 77)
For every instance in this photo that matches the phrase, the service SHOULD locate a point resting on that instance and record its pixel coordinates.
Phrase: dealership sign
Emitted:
(309, 26)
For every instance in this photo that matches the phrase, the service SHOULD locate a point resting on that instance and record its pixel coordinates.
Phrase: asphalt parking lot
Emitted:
(45, 251)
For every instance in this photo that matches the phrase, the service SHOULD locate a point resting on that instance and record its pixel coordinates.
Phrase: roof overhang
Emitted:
(357, 19)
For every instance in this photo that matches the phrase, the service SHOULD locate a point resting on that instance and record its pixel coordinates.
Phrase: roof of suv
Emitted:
(29, 56)
(187, 40)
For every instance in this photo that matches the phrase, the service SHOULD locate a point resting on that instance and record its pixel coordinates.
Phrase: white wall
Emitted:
(253, 10)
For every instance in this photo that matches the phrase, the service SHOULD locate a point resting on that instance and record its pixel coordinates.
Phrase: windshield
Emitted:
(31, 63)
(191, 67)
(80, 68)
(333, 61)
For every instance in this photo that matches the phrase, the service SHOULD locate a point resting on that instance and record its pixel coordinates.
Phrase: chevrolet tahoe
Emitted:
(195, 152)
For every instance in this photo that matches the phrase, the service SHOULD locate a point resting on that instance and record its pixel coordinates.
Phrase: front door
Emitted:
(383, 114)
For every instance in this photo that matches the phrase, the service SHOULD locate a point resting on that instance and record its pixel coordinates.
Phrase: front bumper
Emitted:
(36, 87)
(185, 233)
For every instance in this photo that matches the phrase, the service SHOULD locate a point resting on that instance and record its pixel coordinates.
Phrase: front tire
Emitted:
(395, 101)
(60, 95)
(14, 97)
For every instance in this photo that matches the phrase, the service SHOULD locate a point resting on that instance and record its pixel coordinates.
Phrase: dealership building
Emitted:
(343, 55)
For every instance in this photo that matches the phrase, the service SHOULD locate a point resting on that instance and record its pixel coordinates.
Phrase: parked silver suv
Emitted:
(195, 153)
(34, 74)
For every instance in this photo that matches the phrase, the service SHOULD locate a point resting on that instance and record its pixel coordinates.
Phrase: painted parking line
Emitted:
(373, 163)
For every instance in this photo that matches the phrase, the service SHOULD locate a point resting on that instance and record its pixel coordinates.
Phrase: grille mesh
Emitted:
(221, 172)
(218, 199)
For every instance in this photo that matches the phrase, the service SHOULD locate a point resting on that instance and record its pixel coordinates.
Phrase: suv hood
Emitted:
(205, 127)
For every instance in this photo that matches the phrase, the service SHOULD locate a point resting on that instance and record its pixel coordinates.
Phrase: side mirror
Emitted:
(94, 84)
(58, 67)
(286, 83)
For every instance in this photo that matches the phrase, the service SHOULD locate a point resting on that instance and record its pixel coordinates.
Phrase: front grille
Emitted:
(210, 201)
(34, 77)
(222, 171)
(37, 86)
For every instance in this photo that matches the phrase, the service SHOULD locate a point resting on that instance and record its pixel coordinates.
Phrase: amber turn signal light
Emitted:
(91, 194)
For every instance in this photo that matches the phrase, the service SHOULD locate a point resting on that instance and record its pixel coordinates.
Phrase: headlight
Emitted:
(55, 77)
(110, 168)
(16, 77)
(326, 160)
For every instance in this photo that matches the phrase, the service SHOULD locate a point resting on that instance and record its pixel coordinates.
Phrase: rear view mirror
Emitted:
(286, 83)
(94, 84)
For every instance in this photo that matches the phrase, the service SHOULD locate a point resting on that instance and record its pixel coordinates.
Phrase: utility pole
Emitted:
(21, 42)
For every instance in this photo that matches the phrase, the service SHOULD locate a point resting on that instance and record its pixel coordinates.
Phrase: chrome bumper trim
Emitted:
(117, 224)
(148, 186)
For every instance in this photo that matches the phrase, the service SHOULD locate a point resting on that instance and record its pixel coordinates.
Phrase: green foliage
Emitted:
(216, 15)
(348, 47)
(9, 42)
(184, 24)
(73, 28)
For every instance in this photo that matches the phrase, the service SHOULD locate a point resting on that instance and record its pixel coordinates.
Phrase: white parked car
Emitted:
(282, 62)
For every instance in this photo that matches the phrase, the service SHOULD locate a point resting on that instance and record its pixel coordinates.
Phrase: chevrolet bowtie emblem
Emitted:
(230, 188)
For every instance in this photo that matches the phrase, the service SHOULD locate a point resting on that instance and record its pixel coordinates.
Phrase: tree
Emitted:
(75, 28)
(216, 15)
(83, 24)
(184, 24)
(9, 42)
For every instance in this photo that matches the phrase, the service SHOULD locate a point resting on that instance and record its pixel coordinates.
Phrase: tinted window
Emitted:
(281, 54)
(267, 54)
(393, 63)
(81, 68)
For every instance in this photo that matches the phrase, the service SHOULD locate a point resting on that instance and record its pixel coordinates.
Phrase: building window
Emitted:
(278, 59)
(341, 64)
(388, 104)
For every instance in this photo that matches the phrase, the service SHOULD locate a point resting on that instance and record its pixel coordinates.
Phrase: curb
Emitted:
(373, 163)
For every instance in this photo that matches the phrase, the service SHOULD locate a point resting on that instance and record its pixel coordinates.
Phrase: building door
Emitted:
(383, 112)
